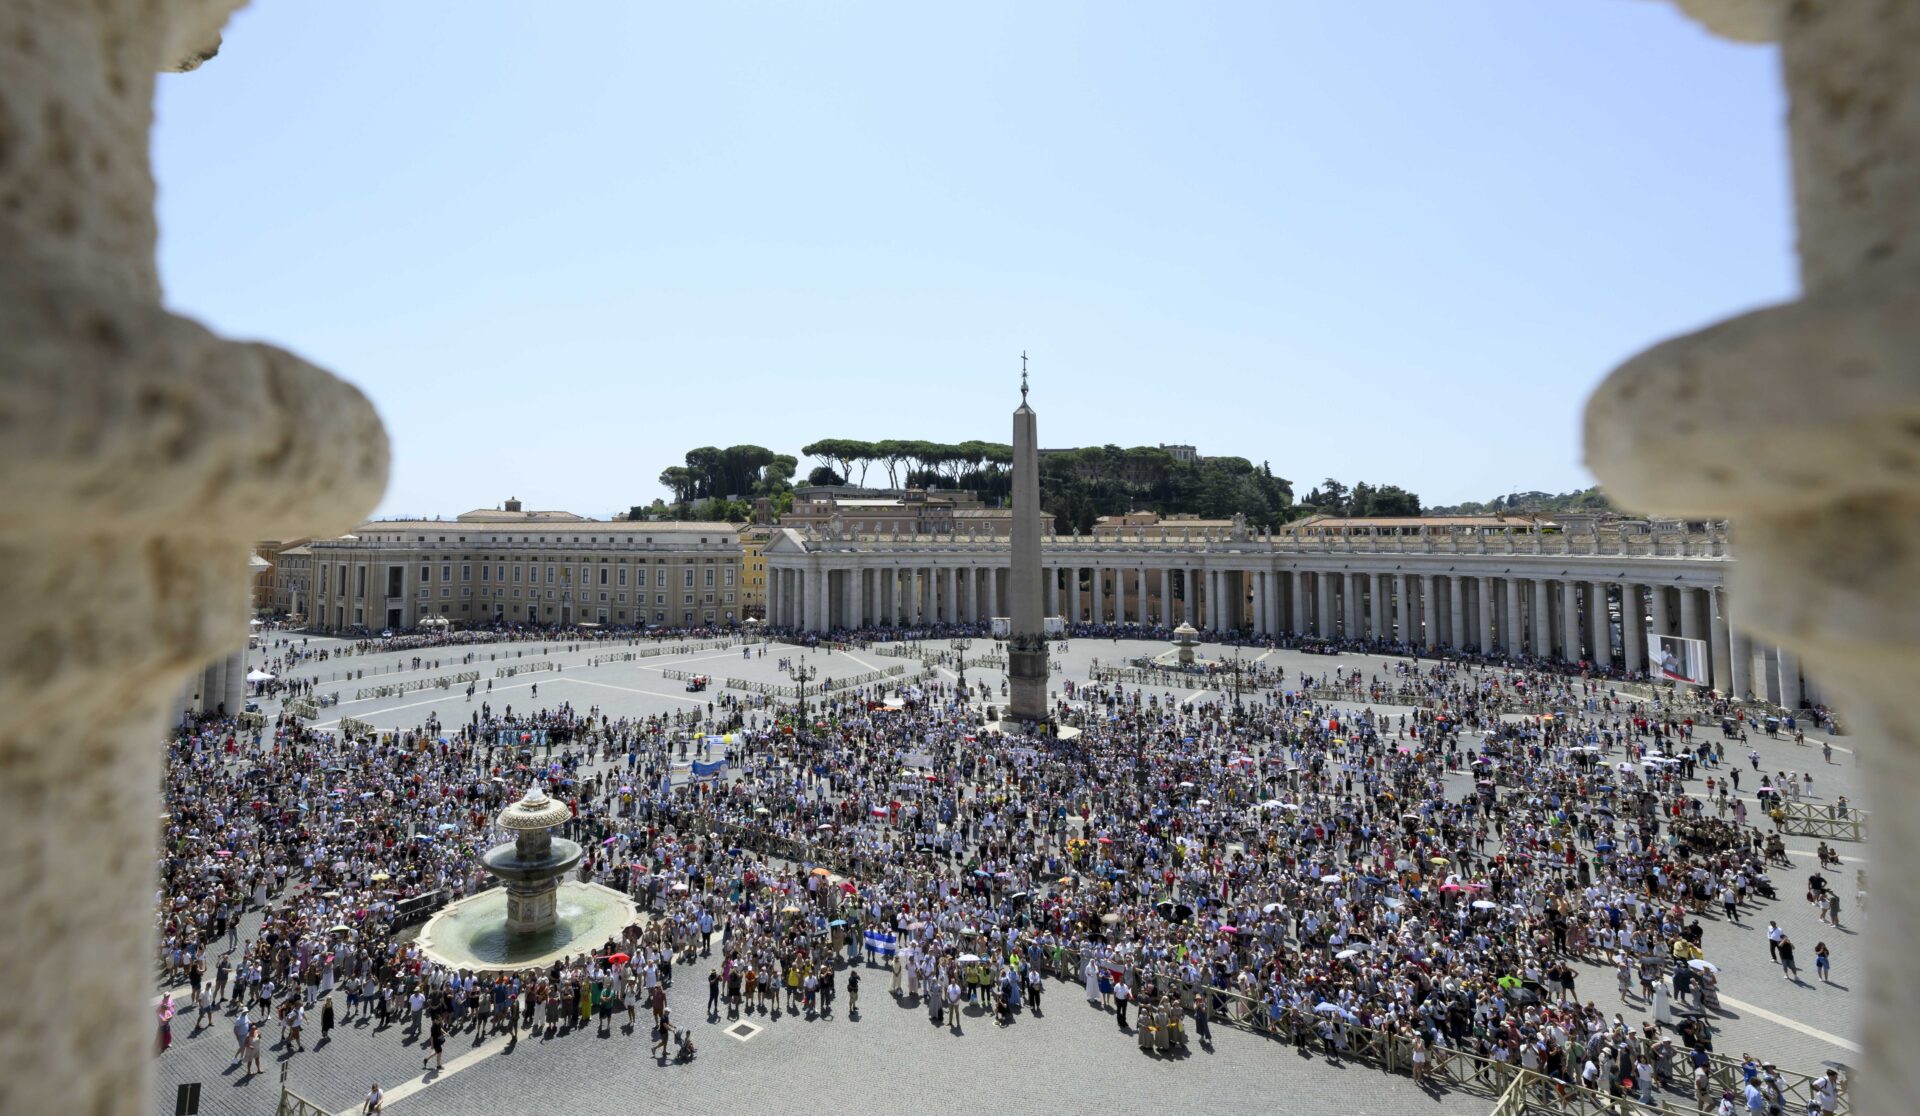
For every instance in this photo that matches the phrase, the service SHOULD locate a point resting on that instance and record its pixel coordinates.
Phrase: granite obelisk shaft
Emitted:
(1027, 648)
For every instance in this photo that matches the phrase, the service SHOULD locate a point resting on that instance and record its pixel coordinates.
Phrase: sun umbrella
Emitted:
(329, 895)
(618, 958)
(1484, 905)
(339, 928)
(1330, 879)
(789, 910)
(1438, 860)
(969, 958)
(838, 922)
(1701, 964)
(1273, 908)
(822, 872)
(1346, 953)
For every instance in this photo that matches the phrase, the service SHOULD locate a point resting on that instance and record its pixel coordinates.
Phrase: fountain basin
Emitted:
(472, 933)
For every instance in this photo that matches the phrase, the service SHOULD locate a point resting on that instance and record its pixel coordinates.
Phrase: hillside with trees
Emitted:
(1078, 485)
(1589, 500)
(721, 484)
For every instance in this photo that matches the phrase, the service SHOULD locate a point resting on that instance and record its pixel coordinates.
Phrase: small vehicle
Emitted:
(697, 683)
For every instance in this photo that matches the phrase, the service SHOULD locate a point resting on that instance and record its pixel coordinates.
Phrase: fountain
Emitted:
(534, 918)
(1185, 639)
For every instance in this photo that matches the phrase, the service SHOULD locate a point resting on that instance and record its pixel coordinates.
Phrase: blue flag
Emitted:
(883, 944)
(708, 770)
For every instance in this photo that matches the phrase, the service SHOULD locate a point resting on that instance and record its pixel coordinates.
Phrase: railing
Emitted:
(444, 682)
(293, 1104)
(522, 668)
(1657, 545)
(1805, 819)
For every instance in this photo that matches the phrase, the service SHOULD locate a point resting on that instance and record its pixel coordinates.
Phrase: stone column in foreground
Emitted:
(143, 457)
(1827, 517)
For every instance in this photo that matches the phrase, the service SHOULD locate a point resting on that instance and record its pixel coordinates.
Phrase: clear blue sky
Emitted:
(560, 244)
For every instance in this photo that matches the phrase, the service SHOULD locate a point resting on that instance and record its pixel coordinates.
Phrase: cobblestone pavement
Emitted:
(891, 1058)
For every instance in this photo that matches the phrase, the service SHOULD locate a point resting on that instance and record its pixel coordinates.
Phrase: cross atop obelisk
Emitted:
(1027, 643)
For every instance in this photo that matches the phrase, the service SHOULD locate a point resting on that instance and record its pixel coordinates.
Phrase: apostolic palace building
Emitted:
(518, 566)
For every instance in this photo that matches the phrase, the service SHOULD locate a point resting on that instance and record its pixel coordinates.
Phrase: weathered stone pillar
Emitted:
(143, 456)
(1827, 521)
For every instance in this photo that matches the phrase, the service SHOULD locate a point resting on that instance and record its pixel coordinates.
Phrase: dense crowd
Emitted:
(1299, 864)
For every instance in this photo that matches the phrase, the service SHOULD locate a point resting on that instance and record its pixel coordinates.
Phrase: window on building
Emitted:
(687, 581)
(709, 577)
(446, 573)
(729, 580)
(516, 573)
(623, 577)
(640, 577)
(549, 575)
(426, 574)
(603, 575)
(466, 571)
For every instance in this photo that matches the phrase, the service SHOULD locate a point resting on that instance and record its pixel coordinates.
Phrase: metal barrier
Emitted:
(293, 1104)
(1805, 819)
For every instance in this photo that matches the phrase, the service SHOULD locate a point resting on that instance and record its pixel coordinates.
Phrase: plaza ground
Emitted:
(889, 1059)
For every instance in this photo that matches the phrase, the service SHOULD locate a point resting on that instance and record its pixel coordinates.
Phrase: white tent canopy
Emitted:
(258, 675)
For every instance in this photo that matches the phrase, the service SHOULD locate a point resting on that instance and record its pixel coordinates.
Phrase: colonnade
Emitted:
(1561, 614)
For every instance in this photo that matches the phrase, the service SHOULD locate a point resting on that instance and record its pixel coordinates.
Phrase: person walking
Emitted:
(374, 1102)
(1822, 962)
(853, 993)
(250, 1049)
(1774, 934)
(1789, 971)
(437, 1042)
(1202, 1015)
(1121, 994)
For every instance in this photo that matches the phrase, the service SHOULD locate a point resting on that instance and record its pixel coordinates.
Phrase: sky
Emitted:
(558, 245)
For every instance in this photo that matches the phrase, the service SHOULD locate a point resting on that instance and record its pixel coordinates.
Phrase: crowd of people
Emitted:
(1300, 864)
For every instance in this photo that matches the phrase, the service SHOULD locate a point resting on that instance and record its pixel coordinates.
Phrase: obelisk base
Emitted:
(1027, 685)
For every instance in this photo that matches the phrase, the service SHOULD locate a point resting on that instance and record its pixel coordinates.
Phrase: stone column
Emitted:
(1741, 664)
(1633, 626)
(952, 609)
(993, 591)
(1828, 519)
(1053, 591)
(1690, 613)
(1662, 623)
(1073, 592)
(144, 455)
(1456, 612)
(1323, 604)
(1571, 648)
(1512, 638)
(1300, 626)
(1402, 610)
(1720, 646)
(1145, 617)
(1429, 614)
(1542, 620)
(1599, 622)
(1350, 607)
(1484, 642)
(1790, 683)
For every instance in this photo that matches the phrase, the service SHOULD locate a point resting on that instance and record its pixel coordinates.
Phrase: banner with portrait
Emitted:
(1678, 659)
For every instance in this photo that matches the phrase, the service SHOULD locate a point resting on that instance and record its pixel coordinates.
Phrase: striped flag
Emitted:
(883, 944)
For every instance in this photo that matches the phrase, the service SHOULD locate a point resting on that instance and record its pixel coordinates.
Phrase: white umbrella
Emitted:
(258, 675)
(1484, 905)
(1346, 953)
(1703, 965)
(1329, 879)
(1273, 908)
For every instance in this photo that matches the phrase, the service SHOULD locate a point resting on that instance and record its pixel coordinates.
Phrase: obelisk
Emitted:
(1027, 640)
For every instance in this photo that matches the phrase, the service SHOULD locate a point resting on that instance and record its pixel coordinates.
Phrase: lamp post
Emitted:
(802, 675)
(959, 649)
